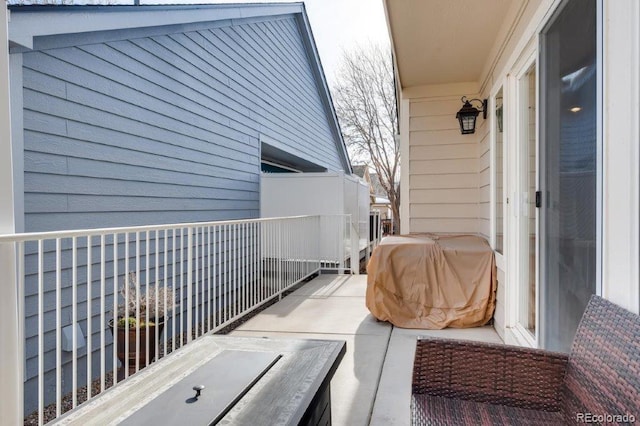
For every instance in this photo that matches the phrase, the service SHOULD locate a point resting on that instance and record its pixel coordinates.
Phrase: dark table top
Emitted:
(247, 381)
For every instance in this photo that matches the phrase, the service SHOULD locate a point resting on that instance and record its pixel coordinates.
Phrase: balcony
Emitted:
(373, 383)
(220, 273)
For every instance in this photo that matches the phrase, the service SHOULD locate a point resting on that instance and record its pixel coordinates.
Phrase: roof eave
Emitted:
(28, 22)
(324, 89)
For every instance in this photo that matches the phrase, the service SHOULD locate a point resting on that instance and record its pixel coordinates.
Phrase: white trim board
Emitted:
(31, 22)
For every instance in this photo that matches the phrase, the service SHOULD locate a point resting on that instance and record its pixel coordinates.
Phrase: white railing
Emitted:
(71, 287)
(375, 231)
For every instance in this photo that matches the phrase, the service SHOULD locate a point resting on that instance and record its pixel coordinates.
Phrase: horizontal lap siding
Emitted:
(161, 129)
(443, 169)
(484, 179)
(166, 128)
(106, 149)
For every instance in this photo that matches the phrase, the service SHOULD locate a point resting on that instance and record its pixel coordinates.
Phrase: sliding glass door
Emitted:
(528, 184)
(569, 170)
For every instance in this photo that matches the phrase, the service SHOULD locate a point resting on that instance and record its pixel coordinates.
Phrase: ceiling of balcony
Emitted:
(443, 41)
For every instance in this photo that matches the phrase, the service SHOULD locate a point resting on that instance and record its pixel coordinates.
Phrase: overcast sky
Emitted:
(341, 24)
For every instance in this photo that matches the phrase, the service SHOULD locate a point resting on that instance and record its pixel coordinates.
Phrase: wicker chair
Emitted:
(468, 383)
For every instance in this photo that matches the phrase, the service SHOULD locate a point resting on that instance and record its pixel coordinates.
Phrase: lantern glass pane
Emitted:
(468, 124)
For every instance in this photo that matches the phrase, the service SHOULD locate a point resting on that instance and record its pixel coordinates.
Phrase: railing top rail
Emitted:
(49, 235)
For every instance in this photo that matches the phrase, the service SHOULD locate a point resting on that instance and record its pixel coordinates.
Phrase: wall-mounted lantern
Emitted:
(468, 114)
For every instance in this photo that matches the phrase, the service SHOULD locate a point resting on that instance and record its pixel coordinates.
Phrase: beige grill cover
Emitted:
(432, 281)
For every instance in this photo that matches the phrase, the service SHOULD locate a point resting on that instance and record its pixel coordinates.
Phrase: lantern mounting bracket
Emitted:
(484, 102)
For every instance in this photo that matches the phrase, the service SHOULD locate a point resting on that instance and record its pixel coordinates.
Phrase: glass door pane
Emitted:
(528, 211)
(499, 171)
(569, 162)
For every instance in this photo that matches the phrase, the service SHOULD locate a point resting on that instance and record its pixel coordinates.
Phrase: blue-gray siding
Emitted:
(159, 129)
(166, 128)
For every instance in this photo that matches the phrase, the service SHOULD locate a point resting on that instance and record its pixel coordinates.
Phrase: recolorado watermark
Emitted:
(605, 418)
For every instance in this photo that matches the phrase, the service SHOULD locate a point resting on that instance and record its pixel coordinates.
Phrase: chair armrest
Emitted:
(489, 373)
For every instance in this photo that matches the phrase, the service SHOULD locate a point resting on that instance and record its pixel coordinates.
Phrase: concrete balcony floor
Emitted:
(373, 383)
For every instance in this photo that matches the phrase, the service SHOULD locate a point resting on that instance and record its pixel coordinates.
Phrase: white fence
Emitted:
(207, 275)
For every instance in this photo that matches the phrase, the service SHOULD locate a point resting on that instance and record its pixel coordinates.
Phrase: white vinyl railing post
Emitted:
(40, 330)
(280, 253)
(355, 248)
(189, 282)
(318, 238)
(11, 342)
(342, 225)
(58, 327)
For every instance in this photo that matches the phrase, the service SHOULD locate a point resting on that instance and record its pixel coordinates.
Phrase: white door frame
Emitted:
(500, 257)
(514, 123)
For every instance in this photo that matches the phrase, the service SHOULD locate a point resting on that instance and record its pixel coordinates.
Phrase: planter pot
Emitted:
(131, 334)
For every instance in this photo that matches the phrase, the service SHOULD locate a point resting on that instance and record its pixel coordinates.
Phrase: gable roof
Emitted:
(31, 24)
(359, 169)
(378, 190)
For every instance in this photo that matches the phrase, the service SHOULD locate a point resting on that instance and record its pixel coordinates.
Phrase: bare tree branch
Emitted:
(364, 95)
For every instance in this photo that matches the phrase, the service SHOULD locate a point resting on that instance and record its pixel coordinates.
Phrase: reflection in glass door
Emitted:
(569, 152)
(499, 172)
(527, 188)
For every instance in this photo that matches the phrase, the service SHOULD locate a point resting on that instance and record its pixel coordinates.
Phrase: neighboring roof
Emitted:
(381, 200)
(359, 169)
(28, 24)
(377, 186)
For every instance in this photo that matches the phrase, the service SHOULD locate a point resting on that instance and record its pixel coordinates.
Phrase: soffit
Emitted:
(443, 41)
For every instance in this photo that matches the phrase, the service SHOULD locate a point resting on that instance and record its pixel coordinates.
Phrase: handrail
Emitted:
(216, 272)
(27, 236)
